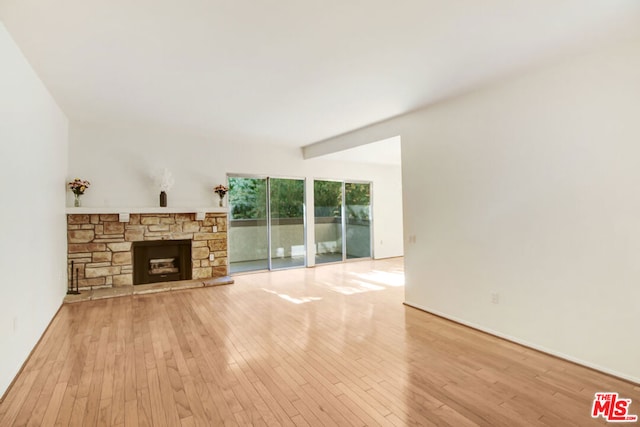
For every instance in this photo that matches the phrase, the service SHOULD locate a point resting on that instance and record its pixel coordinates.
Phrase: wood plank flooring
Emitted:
(332, 345)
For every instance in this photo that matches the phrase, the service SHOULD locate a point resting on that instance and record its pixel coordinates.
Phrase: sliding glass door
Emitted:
(342, 220)
(266, 223)
(357, 198)
(327, 199)
(248, 233)
(287, 223)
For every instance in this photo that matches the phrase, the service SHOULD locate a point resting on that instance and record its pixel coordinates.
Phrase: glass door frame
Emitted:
(268, 216)
(343, 222)
(304, 220)
(344, 219)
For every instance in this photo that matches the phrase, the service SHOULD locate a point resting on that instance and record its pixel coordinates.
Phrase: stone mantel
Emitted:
(145, 210)
(125, 212)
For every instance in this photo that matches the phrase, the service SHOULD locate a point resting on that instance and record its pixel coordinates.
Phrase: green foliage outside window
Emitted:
(248, 198)
(287, 198)
(327, 197)
(357, 200)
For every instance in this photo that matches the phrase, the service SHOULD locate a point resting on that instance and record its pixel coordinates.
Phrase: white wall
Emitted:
(530, 188)
(119, 161)
(33, 163)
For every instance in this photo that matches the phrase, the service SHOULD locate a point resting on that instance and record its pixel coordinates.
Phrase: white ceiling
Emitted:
(288, 72)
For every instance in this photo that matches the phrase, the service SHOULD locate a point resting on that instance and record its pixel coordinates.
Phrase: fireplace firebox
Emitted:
(161, 261)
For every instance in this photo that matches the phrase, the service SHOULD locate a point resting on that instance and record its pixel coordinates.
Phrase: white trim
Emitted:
(145, 210)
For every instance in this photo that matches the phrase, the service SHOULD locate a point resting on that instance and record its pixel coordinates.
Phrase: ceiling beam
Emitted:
(375, 132)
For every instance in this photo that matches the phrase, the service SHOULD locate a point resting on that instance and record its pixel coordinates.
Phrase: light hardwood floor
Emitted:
(333, 345)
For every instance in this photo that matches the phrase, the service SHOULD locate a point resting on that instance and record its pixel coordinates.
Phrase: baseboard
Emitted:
(633, 380)
(15, 378)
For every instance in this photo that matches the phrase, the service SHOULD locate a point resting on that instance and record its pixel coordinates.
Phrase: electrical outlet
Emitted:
(215, 228)
(211, 257)
(495, 298)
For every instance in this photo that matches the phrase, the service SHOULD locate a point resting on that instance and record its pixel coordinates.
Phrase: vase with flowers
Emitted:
(164, 180)
(221, 190)
(78, 187)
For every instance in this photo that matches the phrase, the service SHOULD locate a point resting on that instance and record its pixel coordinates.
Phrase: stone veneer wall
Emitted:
(101, 249)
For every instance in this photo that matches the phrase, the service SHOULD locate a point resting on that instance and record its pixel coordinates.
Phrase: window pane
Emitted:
(358, 220)
(327, 197)
(247, 224)
(287, 222)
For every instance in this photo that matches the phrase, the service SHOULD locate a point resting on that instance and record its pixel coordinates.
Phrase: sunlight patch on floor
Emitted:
(353, 286)
(384, 278)
(298, 300)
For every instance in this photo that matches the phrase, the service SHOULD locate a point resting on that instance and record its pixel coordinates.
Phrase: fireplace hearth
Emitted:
(161, 261)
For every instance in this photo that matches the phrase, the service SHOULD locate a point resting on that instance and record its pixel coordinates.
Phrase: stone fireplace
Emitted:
(101, 246)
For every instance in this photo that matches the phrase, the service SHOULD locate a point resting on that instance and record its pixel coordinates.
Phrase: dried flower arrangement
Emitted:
(221, 190)
(79, 186)
(164, 180)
